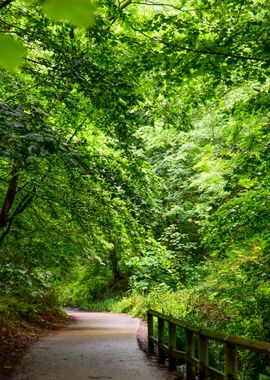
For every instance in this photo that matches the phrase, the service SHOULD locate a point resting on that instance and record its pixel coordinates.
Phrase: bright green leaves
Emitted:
(80, 12)
(11, 52)
(77, 12)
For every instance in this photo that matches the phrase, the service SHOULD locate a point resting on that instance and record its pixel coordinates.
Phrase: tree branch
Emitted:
(164, 5)
(203, 51)
(27, 199)
(112, 19)
(20, 208)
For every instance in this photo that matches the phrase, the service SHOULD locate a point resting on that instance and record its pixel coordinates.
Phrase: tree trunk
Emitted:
(115, 267)
(10, 194)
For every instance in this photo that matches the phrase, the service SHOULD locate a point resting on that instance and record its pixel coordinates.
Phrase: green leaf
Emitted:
(12, 52)
(79, 12)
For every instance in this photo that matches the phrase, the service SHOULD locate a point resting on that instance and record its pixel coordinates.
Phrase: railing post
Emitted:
(161, 353)
(150, 324)
(172, 346)
(230, 362)
(190, 352)
(203, 357)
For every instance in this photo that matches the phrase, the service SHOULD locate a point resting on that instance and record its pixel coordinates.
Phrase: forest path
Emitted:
(96, 346)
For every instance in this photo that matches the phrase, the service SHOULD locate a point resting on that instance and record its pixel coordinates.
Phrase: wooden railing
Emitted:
(197, 366)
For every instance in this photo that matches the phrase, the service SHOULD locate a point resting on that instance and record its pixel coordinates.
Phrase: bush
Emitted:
(25, 297)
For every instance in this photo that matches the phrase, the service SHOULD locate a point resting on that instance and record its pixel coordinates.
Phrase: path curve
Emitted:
(97, 346)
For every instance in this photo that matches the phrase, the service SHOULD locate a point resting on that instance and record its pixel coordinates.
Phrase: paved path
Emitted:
(97, 346)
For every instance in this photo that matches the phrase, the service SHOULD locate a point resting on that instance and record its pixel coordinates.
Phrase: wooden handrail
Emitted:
(198, 365)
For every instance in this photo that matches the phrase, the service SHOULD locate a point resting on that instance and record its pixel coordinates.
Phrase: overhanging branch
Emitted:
(199, 51)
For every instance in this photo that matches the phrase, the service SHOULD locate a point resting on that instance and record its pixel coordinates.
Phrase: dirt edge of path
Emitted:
(13, 348)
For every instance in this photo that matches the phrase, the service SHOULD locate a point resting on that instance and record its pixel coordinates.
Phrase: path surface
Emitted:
(97, 346)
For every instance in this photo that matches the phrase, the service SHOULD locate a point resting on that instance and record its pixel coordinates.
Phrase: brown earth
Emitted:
(14, 345)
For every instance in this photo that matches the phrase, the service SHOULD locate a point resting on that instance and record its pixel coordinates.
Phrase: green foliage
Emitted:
(88, 285)
(30, 287)
(266, 376)
(25, 297)
(154, 266)
(80, 13)
(12, 52)
(160, 298)
(134, 156)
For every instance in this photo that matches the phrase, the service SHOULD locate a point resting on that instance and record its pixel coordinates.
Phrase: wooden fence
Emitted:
(197, 366)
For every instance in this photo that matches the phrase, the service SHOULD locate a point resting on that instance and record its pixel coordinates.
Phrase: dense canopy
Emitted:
(135, 161)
